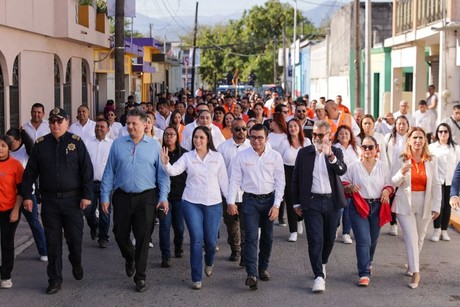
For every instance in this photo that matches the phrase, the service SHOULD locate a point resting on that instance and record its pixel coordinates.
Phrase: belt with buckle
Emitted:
(321, 196)
(372, 200)
(136, 193)
(73, 193)
(259, 196)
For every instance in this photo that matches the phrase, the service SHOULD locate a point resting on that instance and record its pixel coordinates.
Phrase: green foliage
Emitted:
(248, 43)
(86, 2)
(101, 6)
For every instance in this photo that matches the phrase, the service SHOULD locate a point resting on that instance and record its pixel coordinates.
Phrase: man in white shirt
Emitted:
(385, 125)
(454, 123)
(163, 115)
(317, 195)
(229, 149)
(84, 127)
(98, 148)
(404, 110)
(259, 172)
(37, 126)
(204, 119)
(425, 119)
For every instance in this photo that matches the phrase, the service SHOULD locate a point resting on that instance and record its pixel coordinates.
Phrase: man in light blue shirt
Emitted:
(133, 171)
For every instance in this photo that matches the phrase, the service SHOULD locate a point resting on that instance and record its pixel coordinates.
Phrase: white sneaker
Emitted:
(324, 271)
(196, 285)
(44, 258)
(445, 236)
(394, 230)
(436, 235)
(346, 239)
(299, 227)
(293, 237)
(319, 285)
(6, 284)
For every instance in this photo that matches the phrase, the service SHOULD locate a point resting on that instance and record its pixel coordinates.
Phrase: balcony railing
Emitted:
(413, 14)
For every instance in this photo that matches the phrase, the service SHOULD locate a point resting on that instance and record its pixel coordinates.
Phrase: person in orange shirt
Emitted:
(10, 202)
(342, 108)
(228, 104)
(227, 129)
(337, 118)
(176, 122)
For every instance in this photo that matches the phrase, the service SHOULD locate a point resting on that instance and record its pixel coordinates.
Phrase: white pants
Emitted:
(414, 227)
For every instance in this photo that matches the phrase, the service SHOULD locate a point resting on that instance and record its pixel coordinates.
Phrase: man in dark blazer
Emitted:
(318, 196)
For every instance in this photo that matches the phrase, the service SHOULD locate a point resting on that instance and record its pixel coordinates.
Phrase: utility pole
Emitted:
(119, 57)
(194, 51)
(368, 43)
(357, 57)
(151, 29)
(275, 44)
(284, 58)
(294, 39)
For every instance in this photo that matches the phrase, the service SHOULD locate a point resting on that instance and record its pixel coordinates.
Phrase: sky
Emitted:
(166, 8)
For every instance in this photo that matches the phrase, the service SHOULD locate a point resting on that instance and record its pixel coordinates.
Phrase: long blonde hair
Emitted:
(407, 153)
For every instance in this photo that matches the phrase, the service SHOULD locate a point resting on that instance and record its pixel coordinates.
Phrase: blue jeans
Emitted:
(103, 223)
(36, 227)
(255, 214)
(176, 219)
(203, 224)
(345, 214)
(366, 233)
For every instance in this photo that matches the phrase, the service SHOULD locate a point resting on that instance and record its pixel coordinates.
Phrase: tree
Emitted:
(247, 43)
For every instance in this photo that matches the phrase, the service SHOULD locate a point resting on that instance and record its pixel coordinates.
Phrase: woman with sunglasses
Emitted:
(447, 152)
(395, 143)
(295, 141)
(113, 125)
(418, 198)
(346, 141)
(372, 179)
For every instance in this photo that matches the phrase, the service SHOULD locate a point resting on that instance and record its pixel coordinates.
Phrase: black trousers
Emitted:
(235, 228)
(320, 225)
(444, 215)
(134, 212)
(59, 214)
(293, 218)
(7, 231)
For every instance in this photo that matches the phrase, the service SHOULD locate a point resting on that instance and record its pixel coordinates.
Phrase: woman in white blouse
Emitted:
(418, 198)
(372, 179)
(295, 141)
(201, 200)
(447, 152)
(367, 129)
(113, 124)
(395, 144)
(345, 141)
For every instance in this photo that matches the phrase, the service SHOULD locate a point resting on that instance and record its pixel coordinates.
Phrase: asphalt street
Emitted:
(105, 282)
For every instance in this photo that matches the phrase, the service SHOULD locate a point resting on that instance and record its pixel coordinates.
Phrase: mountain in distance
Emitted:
(172, 28)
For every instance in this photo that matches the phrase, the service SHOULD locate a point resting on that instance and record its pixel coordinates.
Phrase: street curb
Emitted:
(455, 222)
(26, 242)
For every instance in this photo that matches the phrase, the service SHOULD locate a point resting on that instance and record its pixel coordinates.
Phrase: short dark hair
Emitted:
(38, 105)
(181, 102)
(456, 107)
(422, 103)
(137, 112)
(103, 120)
(259, 127)
(279, 108)
(162, 103)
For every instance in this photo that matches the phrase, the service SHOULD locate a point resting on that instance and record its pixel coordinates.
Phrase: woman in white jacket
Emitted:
(418, 199)
(447, 152)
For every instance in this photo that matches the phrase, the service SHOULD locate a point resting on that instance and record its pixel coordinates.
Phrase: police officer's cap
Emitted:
(58, 112)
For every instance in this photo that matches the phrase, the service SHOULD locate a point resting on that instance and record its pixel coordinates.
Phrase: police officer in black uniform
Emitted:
(63, 164)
